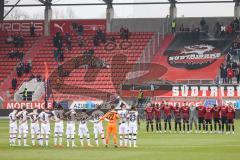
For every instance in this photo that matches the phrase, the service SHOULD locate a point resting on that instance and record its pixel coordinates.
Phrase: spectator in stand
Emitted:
(230, 75)
(81, 42)
(80, 30)
(223, 30)
(202, 24)
(238, 75)
(14, 83)
(236, 24)
(32, 30)
(217, 29)
(101, 36)
(9, 39)
(181, 28)
(12, 54)
(58, 82)
(140, 97)
(173, 25)
(124, 33)
(229, 29)
(68, 41)
(234, 67)
(95, 41)
(76, 62)
(223, 73)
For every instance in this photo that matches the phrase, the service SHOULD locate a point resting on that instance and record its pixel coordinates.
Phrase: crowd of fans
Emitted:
(230, 69)
(23, 68)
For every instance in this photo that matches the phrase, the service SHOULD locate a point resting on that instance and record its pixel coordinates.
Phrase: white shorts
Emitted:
(98, 128)
(70, 130)
(45, 128)
(123, 128)
(13, 128)
(35, 129)
(58, 128)
(132, 128)
(23, 128)
(83, 130)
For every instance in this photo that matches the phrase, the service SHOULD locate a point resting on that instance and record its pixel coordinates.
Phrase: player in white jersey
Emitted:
(13, 127)
(133, 126)
(58, 129)
(97, 125)
(70, 130)
(35, 129)
(83, 129)
(23, 126)
(44, 118)
(123, 126)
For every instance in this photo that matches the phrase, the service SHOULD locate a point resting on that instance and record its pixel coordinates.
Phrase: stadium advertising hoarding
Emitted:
(85, 104)
(66, 26)
(29, 105)
(21, 26)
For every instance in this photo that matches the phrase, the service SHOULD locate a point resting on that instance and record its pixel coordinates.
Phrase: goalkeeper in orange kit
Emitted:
(112, 117)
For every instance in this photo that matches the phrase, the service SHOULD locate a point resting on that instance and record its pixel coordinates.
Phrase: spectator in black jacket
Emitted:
(14, 83)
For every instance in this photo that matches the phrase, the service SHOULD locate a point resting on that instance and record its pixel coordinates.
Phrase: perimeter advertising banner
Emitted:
(21, 26)
(65, 26)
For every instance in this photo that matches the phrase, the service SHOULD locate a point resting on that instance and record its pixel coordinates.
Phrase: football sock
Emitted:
(175, 126)
(160, 126)
(180, 126)
(184, 126)
(68, 140)
(215, 126)
(152, 127)
(14, 139)
(169, 125)
(103, 139)
(233, 127)
(219, 126)
(157, 126)
(222, 127)
(115, 139)
(81, 140)
(107, 139)
(130, 139)
(60, 139)
(125, 140)
(147, 126)
(25, 139)
(88, 139)
(120, 140)
(19, 139)
(96, 139)
(134, 139)
(211, 127)
(33, 139)
(46, 139)
(188, 126)
(55, 139)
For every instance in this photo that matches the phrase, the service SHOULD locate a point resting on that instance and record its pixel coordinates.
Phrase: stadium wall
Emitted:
(156, 24)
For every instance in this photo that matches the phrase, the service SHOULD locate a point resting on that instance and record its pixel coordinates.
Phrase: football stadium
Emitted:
(103, 80)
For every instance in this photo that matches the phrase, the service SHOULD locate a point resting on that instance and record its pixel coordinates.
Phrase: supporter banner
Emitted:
(65, 26)
(194, 57)
(29, 105)
(181, 102)
(85, 104)
(21, 26)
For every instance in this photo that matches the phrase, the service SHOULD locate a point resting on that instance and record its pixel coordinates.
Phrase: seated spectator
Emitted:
(56, 55)
(32, 30)
(58, 82)
(14, 83)
(81, 42)
(101, 36)
(9, 40)
(76, 62)
(12, 54)
(74, 26)
(124, 33)
(61, 55)
(229, 29)
(95, 41)
(223, 73)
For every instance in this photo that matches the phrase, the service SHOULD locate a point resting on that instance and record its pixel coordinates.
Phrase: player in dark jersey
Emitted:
(230, 118)
(185, 114)
(157, 115)
(149, 116)
(177, 117)
(167, 116)
(216, 118)
(208, 117)
(201, 112)
(223, 113)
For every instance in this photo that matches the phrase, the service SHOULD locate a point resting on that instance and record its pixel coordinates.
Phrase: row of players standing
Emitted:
(40, 126)
(184, 117)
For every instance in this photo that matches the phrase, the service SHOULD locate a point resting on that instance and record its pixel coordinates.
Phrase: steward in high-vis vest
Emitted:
(173, 25)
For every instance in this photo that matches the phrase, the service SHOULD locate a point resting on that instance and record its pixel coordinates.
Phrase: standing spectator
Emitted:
(202, 24)
(223, 74)
(140, 97)
(32, 30)
(80, 30)
(217, 29)
(223, 30)
(173, 25)
(14, 83)
(236, 24)
(229, 75)
(238, 76)
(68, 41)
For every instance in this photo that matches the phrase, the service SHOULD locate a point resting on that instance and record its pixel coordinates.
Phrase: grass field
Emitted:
(151, 146)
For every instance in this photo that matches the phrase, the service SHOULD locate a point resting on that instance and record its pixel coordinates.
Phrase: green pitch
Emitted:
(151, 146)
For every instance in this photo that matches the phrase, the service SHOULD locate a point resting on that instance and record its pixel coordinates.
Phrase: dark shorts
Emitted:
(224, 120)
(167, 119)
(186, 120)
(158, 119)
(208, 121)
(177, 120)
(200, 120)
(230, 121)
(149, 120)
(216, 120)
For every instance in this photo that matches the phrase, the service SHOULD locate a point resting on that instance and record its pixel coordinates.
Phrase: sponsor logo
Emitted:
(29, 105)
(59, 26)
(85, 104)
(194, 57)
(16, 26)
